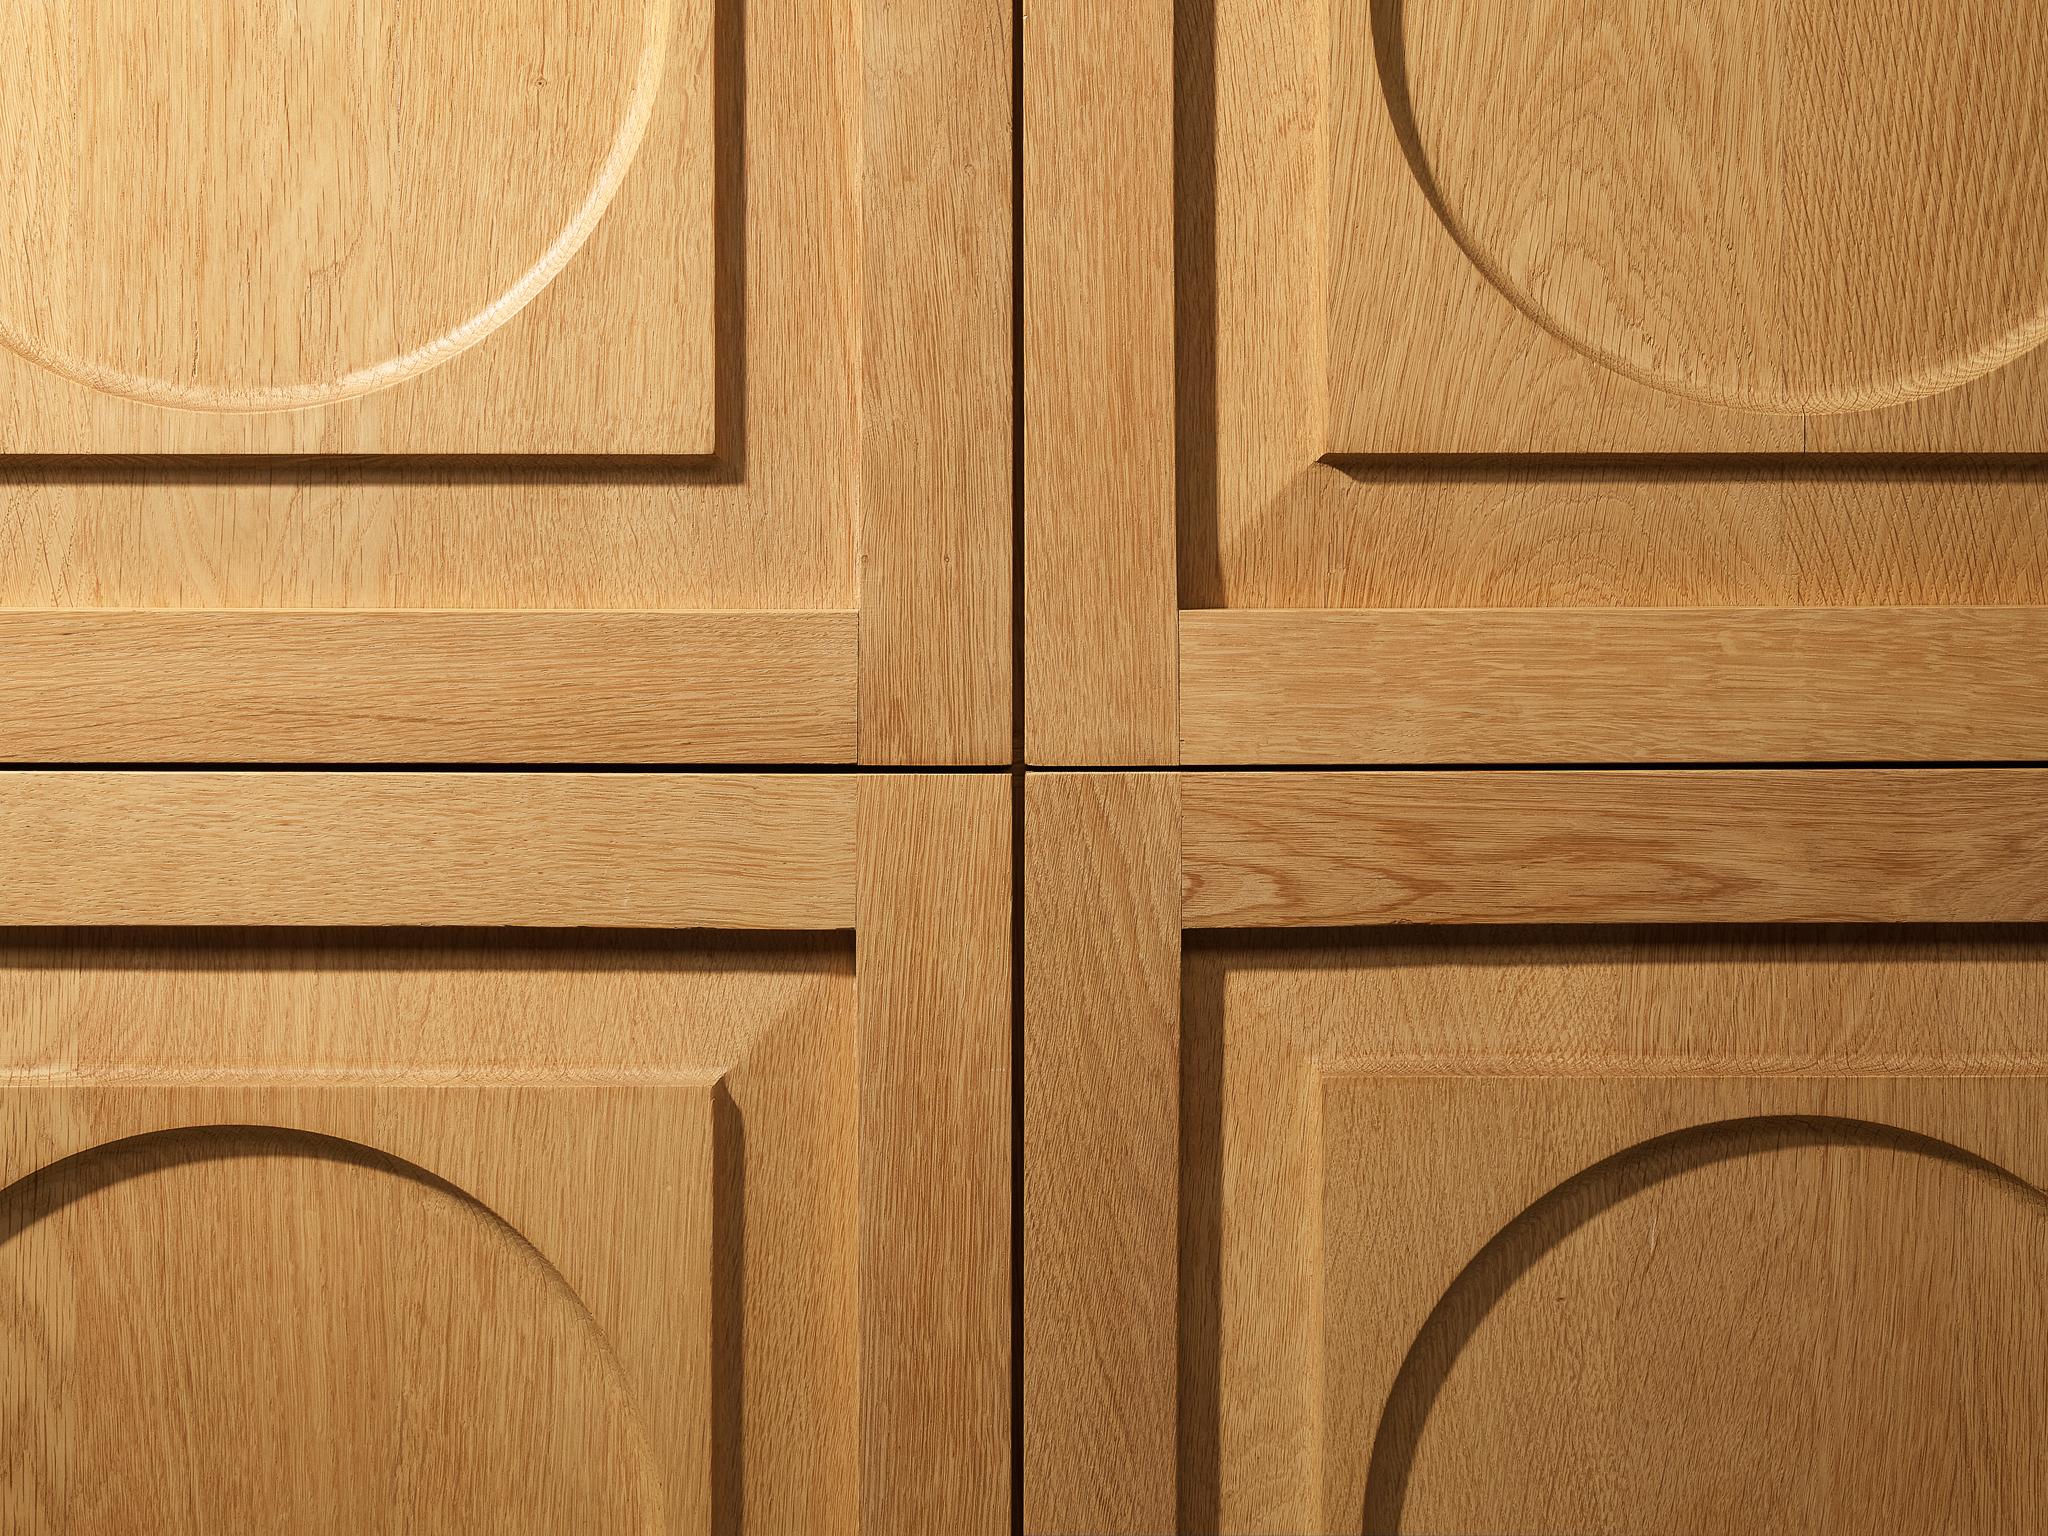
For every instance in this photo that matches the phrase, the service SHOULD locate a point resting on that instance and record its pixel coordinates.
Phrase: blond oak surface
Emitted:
(1750, 1324)
(822, 196)
(1683, 1305)
(361, 228)
(520, 850)
(353, 1308)
(935, 1097)
(1101, 1053)
(1361, 420)
(1272, 850)
(1594, 686)
(414, 687)
(825, 1116)
(1683, 231)
(1099, 403)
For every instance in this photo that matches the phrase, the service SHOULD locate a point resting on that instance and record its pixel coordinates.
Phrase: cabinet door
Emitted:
(517, 1153)
(1416, 381)
(1552, 1153)
(548, 380)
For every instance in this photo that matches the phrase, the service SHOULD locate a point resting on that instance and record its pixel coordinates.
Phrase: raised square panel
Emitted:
(1596, 1154)
(632, 1192)
(1438, 382)
(1639, 225)
(526, 382)
(363, 1307)
(358, 227)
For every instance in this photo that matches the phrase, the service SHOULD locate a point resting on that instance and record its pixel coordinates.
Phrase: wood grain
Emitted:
(825, 197)
(1101, 1068)
(1750, 288)
(1336, 1079)
(320, 1355)
(390, 686)
(936, 448)
(491, 238)
(386, 1018)
(521, 850)
(935, 1115)
(1099, 393)
(1613, 685)
(1320, 849)
(1722, 1255)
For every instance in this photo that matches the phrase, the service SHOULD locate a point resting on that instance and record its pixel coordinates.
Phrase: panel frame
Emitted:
(1122, 867)
(916, 867)
(908, 662)
(1121, 345)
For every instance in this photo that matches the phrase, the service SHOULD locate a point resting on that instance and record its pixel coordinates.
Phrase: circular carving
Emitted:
(243, 205)
(1813, 209)
(238, 1329)
(1730, 1328)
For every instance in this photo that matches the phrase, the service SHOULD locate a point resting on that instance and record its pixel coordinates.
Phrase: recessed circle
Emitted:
(1769, 1324)
(236, 1329)
(1808, 208)
(249, 205)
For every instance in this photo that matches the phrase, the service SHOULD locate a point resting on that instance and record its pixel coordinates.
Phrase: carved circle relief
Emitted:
(238, 1328)
(1738, 1325)
(1813, 208)
(254, 205)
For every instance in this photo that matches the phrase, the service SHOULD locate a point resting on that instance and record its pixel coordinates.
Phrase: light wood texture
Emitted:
(937, 520)
(842, 263)
(306, 1308)
(408, 687)
(1512, 271)
(592, 1043)
(1352, 1106)
(935, 1113)
(1101, 1053)
(1441, 453)
(1738, 1299)
(1358, 1101)
(385, 228)
(526, 850)
(1099, 395)
(1322, 849)
(1615, 685)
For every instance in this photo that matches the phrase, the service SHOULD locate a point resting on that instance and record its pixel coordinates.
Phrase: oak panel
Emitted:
(422, 687)
(1099, 322)
(1694, 1199)
(845, 1137)
(1613, 685)
(381, 228)
(1101, 945)
(1363, 421)
(1625, 229)
(557, 1078)
(1332, 1075)
(1575, 1305)
(235, 1307)
(530, 850)
(1269, 850)
(773, 381)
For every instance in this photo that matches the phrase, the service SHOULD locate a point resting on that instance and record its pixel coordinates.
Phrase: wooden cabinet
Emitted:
(1562, 1152)
(1619, 382)
(538, 382)
(417, 1152)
